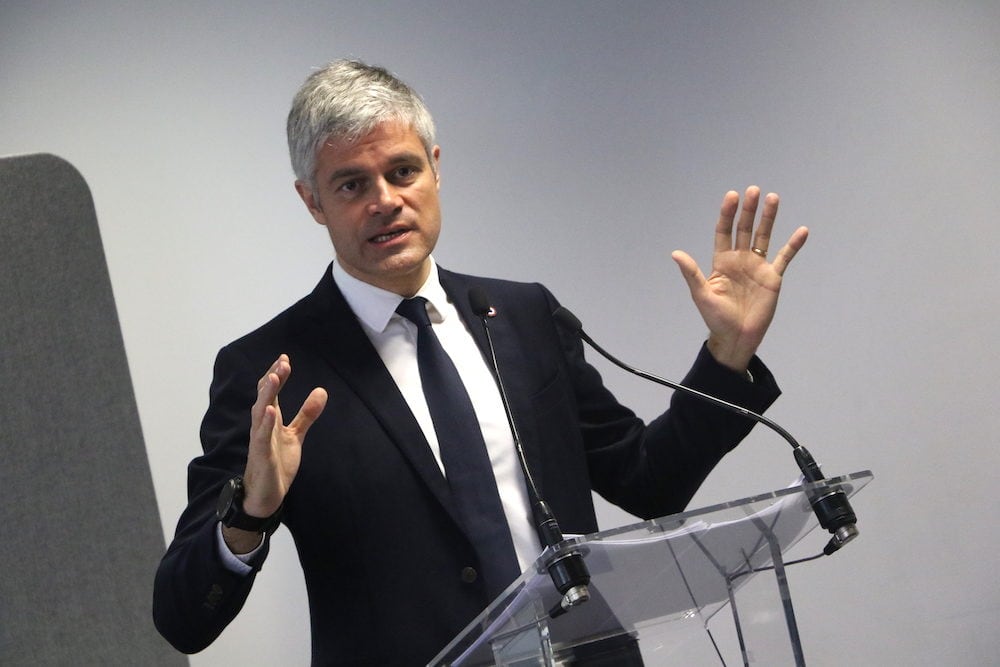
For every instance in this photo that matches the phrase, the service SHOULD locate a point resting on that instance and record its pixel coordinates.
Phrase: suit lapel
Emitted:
(509, 359)
(342, 342)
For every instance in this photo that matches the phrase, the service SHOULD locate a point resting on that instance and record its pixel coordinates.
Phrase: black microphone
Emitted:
(830, 506)
(568, 571)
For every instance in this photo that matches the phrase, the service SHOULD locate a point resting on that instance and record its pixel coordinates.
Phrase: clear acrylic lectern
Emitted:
(659, 586)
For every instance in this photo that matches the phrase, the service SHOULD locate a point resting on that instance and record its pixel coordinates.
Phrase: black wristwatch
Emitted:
(230, 510)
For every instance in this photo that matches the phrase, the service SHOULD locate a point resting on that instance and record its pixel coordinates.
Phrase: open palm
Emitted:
(738, 299)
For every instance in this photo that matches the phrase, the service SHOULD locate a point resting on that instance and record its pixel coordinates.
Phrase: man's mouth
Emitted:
(388, 236)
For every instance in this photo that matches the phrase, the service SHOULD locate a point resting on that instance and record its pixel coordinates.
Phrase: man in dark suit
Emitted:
(360, 475)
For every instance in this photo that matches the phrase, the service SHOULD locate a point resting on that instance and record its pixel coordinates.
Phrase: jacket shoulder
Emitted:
(293, 321)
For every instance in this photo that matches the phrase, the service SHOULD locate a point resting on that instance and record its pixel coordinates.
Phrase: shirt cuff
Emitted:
(238, 563)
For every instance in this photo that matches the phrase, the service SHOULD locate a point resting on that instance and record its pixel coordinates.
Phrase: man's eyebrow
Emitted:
(345, 172)
(407, 157)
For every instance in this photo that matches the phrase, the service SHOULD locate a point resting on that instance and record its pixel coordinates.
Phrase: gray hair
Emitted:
(347, 99)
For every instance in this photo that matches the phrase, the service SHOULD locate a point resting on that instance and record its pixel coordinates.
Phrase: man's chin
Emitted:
(401, 274)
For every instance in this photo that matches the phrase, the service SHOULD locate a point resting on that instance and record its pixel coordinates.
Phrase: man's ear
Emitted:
(436, 156)
(311, 201)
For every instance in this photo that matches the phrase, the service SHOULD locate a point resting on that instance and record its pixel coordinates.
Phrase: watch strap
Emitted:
(230, 511)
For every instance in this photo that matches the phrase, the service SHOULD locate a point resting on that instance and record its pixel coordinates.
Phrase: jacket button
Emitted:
(469, 575)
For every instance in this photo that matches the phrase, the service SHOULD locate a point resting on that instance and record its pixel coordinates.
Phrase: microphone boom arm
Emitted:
(831, 506)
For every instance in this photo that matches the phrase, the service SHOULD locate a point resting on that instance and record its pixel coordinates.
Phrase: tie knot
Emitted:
(415, 310)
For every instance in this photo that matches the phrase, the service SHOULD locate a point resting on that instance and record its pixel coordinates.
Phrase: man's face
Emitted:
(378, 199)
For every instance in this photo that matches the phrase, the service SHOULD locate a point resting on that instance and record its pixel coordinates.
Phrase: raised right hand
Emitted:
(275, 449)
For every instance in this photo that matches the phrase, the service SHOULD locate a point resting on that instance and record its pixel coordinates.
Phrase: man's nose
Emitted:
(385, 198)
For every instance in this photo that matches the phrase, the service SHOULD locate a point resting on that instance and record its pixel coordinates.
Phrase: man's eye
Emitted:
(406, 172)
(350, 186)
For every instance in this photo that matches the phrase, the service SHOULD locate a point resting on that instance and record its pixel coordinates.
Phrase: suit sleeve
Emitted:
(654, 469)
(195, 595)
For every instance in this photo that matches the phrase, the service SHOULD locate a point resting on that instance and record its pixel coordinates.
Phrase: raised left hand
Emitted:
(738, 300)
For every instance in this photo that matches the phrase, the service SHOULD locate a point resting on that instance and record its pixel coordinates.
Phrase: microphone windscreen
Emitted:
(479, 301)
(568, 319)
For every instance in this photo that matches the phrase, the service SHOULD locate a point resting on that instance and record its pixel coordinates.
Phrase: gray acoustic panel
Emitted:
(80, 534)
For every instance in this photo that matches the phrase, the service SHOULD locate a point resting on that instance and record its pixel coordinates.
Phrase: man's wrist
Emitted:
(230, 512)
(735, 360)
(241, 542)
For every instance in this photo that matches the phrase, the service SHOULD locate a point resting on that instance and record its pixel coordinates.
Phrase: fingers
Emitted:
(266, 413)
(689, 269)
(310, 411)
(724, 227)
(266, 405)
(762, 236)
(787, 252)
(747, 238)
(744, 228)
(281, 368)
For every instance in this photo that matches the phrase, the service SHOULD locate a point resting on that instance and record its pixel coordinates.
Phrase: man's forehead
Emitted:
(387, 133)
(388, 141)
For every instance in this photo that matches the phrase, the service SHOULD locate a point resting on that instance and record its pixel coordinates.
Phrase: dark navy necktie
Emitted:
(463, 454)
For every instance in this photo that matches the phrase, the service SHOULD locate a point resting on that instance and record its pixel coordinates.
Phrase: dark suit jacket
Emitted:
(380, 547)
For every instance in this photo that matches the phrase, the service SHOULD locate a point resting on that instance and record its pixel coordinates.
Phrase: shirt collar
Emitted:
(374, 306)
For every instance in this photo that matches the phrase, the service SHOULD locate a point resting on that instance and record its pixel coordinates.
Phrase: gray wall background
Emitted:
(581, 143)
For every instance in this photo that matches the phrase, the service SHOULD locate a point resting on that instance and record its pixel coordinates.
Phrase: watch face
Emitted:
(226, 498)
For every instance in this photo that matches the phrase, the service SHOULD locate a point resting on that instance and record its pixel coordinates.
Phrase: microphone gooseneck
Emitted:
(831, 507)
(568, 571)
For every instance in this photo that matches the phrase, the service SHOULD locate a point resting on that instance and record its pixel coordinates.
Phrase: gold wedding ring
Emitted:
(759, 251)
